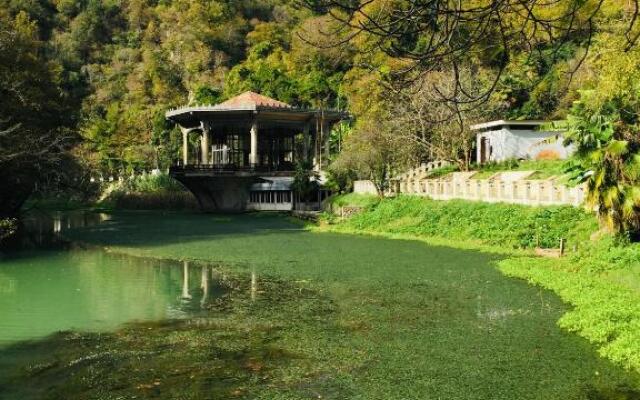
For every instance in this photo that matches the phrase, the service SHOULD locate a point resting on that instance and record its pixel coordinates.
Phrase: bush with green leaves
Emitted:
(148, 192)
(607, 159)
(150, 183)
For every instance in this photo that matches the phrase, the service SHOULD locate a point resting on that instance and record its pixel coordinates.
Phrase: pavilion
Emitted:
(246, 150)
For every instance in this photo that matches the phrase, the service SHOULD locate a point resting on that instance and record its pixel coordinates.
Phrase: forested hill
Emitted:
(119, 65)
(101, 73)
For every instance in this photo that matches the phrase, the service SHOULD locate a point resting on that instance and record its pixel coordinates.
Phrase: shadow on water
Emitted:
(41, 230)
(53, 230)
(171, 228)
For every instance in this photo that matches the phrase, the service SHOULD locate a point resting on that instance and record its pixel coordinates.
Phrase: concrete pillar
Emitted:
(553, 192)
(253, 156)
(185, 146)
(565, 198)
(205, 146)
(326, 131)
(306, 142)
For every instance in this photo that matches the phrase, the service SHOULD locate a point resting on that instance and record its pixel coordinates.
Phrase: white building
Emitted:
(523, 140)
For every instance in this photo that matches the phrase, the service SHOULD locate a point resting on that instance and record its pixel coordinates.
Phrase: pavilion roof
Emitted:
(247, 106)
(251, 100)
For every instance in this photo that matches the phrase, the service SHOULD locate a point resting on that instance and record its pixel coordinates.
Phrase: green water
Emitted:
(90, 290)
(269, 310)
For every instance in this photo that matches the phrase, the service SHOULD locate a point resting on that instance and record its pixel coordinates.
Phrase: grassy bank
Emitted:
(600, 279)
(513, 226)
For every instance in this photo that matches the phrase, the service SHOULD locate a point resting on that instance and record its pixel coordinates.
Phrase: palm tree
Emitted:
(607, 159)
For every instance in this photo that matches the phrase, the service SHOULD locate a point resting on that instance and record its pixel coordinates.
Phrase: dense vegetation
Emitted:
(147, 192)
(84, 86)
(95, 78)
(100, 74)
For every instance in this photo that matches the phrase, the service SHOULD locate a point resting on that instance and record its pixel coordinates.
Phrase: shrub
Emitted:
(159, 200)
(351, 199)
(150, 183)
(148, 192)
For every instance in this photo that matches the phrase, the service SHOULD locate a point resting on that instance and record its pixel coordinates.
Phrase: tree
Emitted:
(373, 151)
(33, 137)
(305, 181)
(438, 129)
(607, 159)
(604, 126)
(432, 35)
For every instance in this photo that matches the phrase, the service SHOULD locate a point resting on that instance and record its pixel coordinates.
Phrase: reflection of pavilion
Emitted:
(207, 286)
(248, 147)
(185, 281)
(205, 281)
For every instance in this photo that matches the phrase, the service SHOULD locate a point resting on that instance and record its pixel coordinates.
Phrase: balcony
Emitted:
(231, 169)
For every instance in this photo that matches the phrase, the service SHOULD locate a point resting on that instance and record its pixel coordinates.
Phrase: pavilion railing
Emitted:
(229, 168)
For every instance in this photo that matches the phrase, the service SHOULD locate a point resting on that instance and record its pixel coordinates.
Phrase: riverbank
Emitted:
(599, 278)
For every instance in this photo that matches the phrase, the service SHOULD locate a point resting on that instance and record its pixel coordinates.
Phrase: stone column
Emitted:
(204, 145)
(326, 131)
(253, 156)
(306, 142)
(185, 146)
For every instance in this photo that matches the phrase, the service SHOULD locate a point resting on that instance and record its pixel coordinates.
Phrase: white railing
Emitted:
(515, 187)
(529, 192)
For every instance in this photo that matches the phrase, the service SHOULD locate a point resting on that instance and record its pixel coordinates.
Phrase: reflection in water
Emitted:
(89, 290)
(57, 224)
(204, 285)
(185, 281)
(254, 285)
(42, 230)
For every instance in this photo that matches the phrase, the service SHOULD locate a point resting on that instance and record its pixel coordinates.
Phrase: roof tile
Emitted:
(251, 100)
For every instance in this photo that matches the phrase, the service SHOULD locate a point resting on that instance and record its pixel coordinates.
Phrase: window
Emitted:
(270, 196)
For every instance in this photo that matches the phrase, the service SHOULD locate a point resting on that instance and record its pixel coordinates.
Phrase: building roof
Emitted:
(250, 100)
(250, 106)
(501, 122)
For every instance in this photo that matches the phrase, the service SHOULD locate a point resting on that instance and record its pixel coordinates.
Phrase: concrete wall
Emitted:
(519, 144)
(364, 187)
(270, 206)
